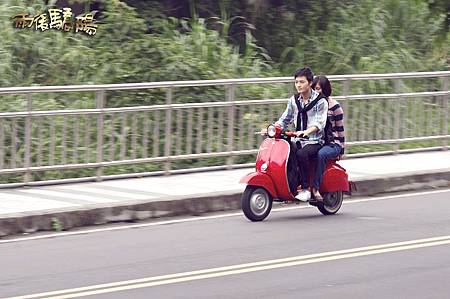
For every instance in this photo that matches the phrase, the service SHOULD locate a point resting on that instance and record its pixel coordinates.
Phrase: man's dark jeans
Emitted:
(304, 156)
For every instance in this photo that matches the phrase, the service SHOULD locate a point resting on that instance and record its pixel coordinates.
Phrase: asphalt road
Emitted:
(393, 247)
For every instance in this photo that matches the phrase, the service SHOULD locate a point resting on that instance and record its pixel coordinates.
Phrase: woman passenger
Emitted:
(335, 141)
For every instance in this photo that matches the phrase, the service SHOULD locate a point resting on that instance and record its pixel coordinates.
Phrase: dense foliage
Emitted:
(173, 40)
(121, 51)
(334, 37)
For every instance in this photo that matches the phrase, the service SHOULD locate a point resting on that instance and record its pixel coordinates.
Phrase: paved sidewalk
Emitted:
(33, 208)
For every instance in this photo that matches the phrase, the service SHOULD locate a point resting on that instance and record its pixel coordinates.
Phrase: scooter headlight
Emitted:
(271, 131)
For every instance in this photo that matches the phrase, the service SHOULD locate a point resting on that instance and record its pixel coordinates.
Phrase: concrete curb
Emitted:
(405, 182)
(193, 205)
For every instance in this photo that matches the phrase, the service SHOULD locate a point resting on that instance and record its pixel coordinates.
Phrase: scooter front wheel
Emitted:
(256, 203)
(332, 202)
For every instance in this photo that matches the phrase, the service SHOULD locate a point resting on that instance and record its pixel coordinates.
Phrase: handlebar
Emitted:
(286, 133)
(292, 134)
(289, 133)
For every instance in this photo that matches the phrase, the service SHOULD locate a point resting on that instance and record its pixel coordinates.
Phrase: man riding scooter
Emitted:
(308, 111)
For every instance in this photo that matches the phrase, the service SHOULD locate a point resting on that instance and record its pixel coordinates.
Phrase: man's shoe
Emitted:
(303, 195)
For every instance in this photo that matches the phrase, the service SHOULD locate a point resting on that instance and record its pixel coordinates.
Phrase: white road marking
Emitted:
(65, 194)
(202, 218)
(15, 203)
(96, 192)
(239, 269)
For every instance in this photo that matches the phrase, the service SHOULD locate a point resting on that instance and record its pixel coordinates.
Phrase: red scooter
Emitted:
(276, 179)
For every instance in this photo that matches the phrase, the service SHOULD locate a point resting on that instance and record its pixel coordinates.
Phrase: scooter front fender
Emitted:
(261, 180)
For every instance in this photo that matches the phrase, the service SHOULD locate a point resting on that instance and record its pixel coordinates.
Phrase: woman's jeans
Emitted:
(327, 152)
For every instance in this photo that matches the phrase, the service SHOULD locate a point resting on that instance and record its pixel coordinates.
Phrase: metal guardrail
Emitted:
(31, 140)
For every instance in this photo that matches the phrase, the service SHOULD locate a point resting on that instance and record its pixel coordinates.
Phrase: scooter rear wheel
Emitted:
(256, 203)
(332, 202)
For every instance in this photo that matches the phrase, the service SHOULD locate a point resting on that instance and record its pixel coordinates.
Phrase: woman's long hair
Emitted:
(324, 83)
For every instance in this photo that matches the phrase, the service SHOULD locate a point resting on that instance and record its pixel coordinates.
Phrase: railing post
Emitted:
(168, 131)
(397, 87)
(345, 104)
(2, 144)
(100, 104)
(27, 176)
(231, 110)
(445, 104)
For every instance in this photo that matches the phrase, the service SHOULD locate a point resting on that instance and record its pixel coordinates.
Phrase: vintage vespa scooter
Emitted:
(276, 179)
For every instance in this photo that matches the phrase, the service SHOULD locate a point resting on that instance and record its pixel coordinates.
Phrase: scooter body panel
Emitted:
(335, 178)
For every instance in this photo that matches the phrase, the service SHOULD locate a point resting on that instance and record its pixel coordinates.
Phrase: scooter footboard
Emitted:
(261, 180)
(335, 178)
